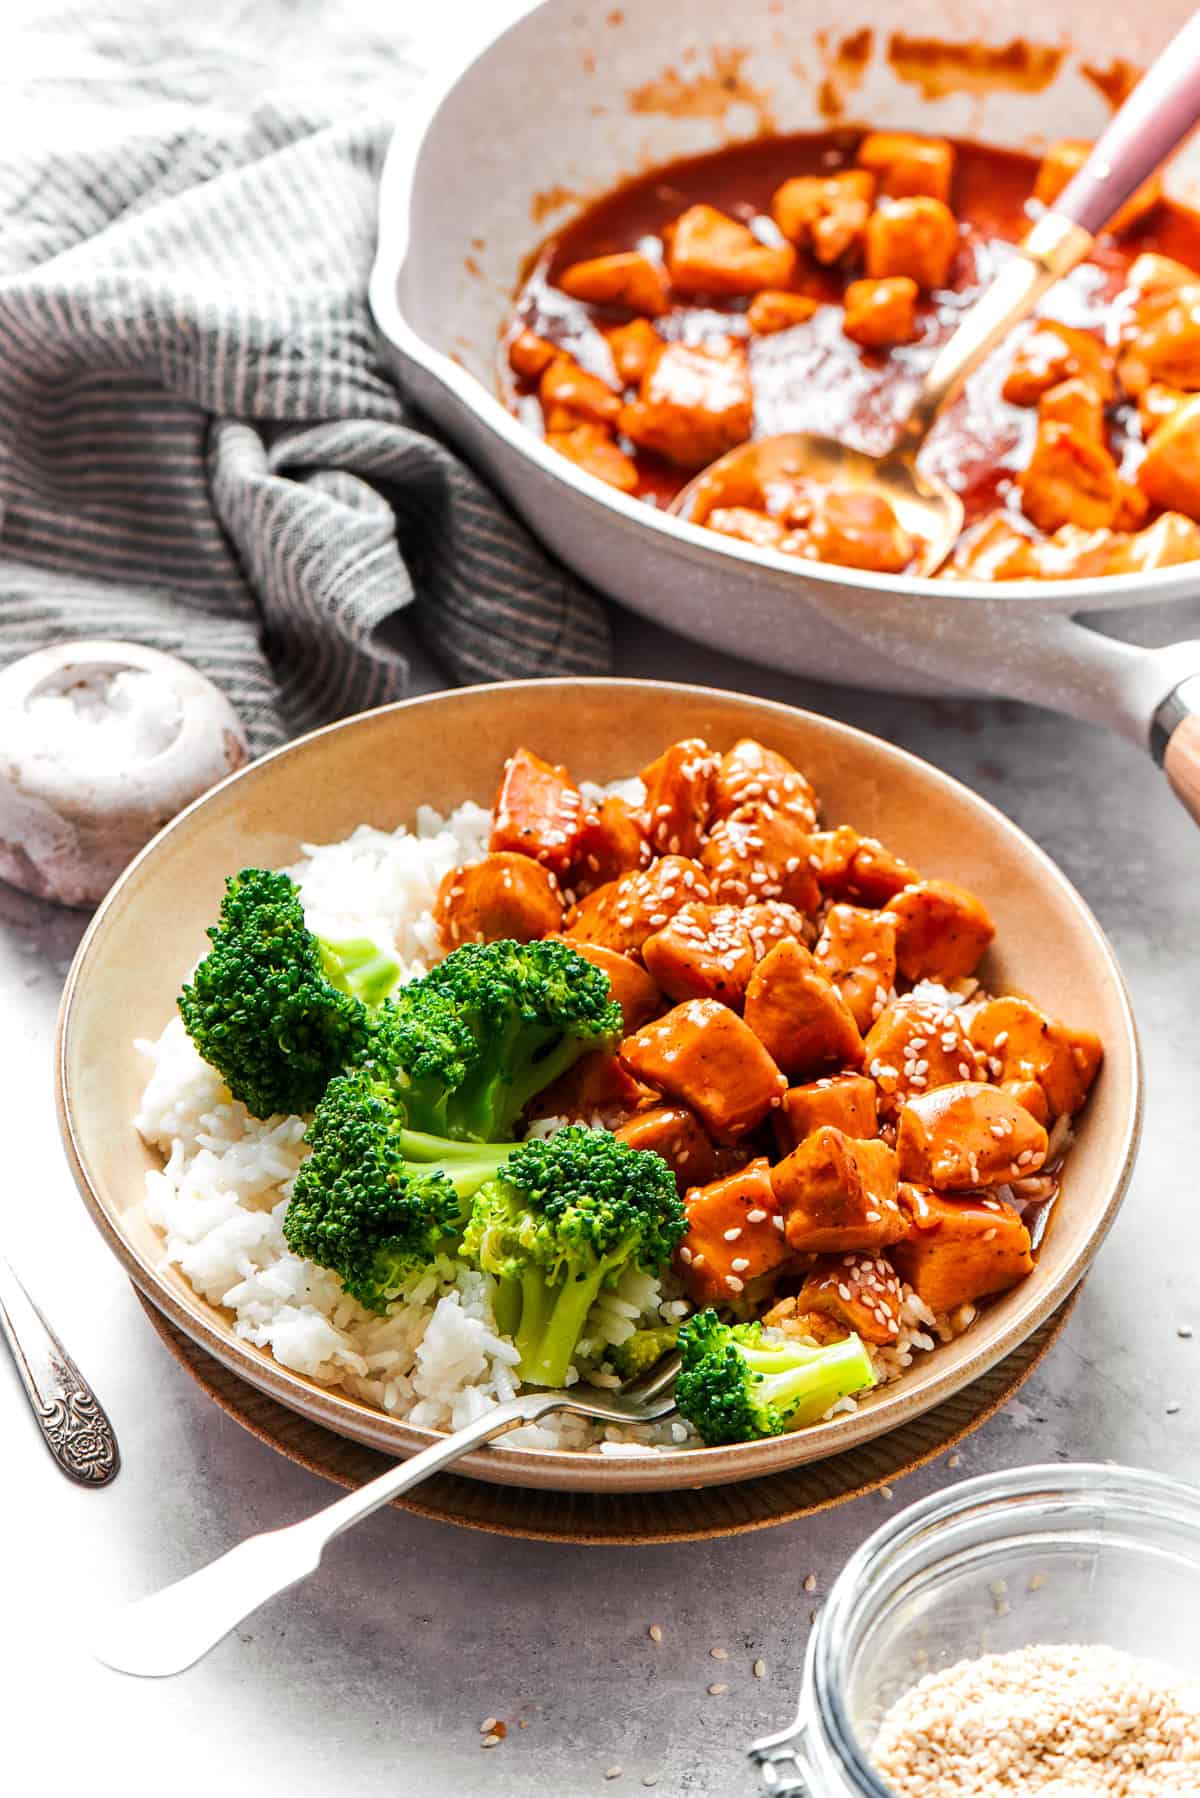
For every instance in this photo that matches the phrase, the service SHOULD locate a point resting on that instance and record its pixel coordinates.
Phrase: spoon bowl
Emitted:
(927, 509)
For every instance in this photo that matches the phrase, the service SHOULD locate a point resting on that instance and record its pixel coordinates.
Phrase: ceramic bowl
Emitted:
(378, 768)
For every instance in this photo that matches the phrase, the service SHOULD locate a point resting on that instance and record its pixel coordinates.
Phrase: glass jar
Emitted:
(1081, 1553)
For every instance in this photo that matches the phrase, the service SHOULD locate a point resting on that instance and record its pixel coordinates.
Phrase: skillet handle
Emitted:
(1175, 742)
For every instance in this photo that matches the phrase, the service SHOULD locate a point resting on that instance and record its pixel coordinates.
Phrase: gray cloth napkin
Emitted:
(198, 446)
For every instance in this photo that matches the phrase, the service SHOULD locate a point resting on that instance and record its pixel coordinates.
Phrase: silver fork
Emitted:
(170, 1630)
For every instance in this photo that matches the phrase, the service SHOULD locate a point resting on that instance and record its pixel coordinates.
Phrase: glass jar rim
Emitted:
(1067, 1484)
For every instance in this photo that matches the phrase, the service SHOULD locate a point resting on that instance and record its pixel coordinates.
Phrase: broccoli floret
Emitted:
(560, 1223)
(374, 1200)
(276, 1010)
(418, 1042)
(639, 1352)
(489, 1028)
(737, 1383)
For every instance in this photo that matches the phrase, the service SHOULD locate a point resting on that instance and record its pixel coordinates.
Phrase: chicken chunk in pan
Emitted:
(826, 214)
(710, 253)
(906, 165)
(694, 403)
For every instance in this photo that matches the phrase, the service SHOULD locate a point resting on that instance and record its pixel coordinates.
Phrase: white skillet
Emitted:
(558, 100)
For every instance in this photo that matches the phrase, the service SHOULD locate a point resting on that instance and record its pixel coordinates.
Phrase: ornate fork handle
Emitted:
(72, 1421)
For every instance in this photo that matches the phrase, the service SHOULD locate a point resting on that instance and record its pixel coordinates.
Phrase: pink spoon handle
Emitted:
(1159, 113)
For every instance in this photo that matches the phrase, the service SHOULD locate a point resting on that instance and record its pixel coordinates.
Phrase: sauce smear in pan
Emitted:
(700, 335)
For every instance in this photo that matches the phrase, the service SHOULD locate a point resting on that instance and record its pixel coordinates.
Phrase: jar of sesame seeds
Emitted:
(1086, 1566)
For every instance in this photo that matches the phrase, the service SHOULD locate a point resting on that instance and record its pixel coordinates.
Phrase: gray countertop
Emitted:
(375, 1676)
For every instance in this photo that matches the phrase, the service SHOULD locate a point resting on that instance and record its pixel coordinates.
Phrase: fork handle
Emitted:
(74, 1425)
(170, 1630)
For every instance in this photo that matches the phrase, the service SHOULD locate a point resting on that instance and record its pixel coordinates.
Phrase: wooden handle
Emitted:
(1182, 763)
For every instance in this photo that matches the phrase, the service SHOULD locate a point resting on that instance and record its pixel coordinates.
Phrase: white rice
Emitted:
(436, 1359)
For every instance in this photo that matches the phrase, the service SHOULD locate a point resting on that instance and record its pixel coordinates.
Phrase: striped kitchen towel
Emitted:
(198, 446)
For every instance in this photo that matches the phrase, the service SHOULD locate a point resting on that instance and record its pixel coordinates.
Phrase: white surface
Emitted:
(372, 1679)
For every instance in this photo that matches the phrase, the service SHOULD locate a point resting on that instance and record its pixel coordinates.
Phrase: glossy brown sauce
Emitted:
(812, 378)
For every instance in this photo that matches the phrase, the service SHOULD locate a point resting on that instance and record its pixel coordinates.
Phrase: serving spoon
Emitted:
(168, 1631)
(1154, 120)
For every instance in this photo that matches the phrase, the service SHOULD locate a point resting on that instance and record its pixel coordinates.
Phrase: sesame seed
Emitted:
(491, 1741)
(810, 1584)
(488, 1725)
(1078, 1717)
(741, 1265)
(649, 1779)
(612, 1772)
(954, 1461)
(719, 1654)
(734, 1284)
(1184, 1330)
(760, 1669)
(756, 1217)
(716, 1689)
(1172, 1408)
(731, 1235)
(655, 1632)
